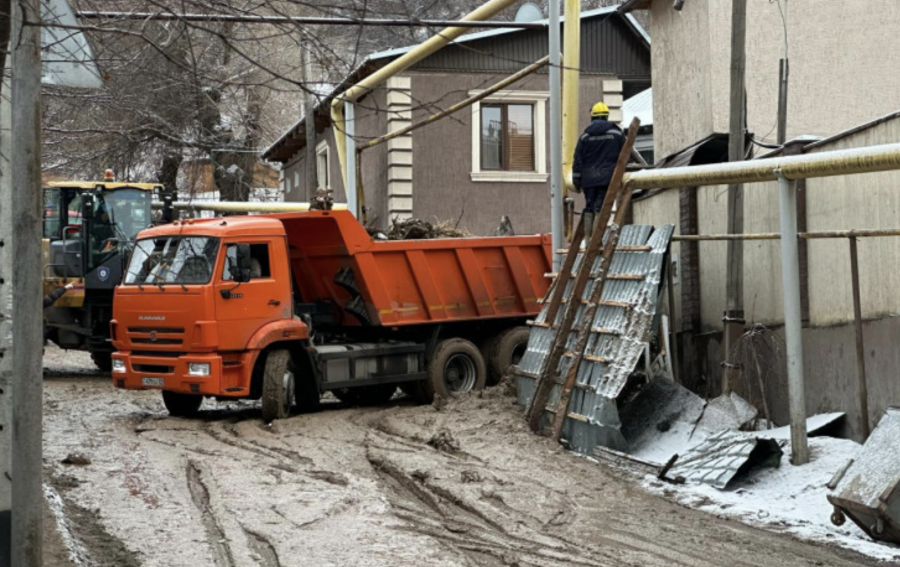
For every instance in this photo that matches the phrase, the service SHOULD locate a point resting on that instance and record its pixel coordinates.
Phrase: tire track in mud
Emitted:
(215, 535)
(438, 513)
(263, 548)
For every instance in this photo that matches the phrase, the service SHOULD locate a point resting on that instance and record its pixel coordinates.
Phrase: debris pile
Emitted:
(417, 229)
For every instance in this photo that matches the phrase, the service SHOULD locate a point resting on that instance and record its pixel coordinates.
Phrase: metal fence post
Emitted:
(790, 277)
(860, 346)
(556, 184)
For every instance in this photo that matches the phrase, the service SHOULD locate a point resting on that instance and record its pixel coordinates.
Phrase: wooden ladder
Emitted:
(548, 376)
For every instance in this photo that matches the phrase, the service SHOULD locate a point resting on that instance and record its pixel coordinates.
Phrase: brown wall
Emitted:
(442, 158)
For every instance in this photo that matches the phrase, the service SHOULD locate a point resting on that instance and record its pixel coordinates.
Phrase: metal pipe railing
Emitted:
(823, 164)
(242, 207)
(783, 170)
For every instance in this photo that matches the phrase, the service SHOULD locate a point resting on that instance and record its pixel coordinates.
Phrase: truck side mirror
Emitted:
(242, 273)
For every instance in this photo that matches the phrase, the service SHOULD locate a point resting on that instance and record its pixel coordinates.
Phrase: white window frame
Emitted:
(322, 150)
(539, 101)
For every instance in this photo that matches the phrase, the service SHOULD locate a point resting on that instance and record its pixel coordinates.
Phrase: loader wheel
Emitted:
(278, 386)
(102, 360)
(507, 349)
(181, 405)
(366, 395)
(456, 366)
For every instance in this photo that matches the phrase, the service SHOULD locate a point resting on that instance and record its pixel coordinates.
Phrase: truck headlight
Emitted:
(198, 369)
(118, 365)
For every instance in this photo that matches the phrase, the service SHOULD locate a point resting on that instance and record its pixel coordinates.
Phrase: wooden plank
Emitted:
(559, 284)
(627, 277)
(623, 196)
(557, 347)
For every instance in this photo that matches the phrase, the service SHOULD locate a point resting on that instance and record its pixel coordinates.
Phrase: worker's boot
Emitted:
(588, 219)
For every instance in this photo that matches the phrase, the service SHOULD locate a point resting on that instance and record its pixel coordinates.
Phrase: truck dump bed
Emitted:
(408, 282)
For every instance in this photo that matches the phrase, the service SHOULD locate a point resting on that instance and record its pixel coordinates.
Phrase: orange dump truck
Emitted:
(283, 307)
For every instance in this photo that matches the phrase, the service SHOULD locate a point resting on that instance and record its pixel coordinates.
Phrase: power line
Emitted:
(317, 21)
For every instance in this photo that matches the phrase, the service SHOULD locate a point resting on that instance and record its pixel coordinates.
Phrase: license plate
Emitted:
(154, 382)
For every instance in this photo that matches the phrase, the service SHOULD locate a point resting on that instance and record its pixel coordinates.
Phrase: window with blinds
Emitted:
(507, 137)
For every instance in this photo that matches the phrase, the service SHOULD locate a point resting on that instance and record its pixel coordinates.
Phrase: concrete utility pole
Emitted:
(6, 303)
(556, 165)
(309, 111)
(27, 496)
(734, 310)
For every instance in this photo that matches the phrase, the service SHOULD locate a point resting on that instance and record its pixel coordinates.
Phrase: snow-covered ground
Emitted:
(790, 499)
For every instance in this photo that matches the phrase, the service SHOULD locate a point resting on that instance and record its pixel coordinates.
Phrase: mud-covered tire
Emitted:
(181, 405)
(278, 386)
(102, 360)
(374, 395)
(456, 366)
(506, 350)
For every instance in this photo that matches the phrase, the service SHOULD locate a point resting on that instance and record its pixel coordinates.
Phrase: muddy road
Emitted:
(397, 485)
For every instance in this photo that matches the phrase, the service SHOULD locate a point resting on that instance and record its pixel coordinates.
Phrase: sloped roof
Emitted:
(293, 139)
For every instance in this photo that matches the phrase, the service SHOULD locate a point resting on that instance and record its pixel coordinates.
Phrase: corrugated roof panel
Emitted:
(615, 351)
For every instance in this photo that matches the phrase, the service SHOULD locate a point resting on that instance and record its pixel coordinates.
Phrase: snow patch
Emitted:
(788, 498)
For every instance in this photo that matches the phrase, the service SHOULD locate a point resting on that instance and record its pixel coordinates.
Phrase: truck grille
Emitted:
(153, 368)
(156, 335)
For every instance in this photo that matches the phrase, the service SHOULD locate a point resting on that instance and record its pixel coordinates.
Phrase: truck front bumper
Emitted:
(192, 373)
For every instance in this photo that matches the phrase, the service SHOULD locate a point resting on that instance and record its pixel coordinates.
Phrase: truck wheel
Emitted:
(278, 386)
(102, 360)
(456, 366)
(181, 405)
(507, 350)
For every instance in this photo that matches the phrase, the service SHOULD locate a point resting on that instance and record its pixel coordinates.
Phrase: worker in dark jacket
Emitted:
(595, 160)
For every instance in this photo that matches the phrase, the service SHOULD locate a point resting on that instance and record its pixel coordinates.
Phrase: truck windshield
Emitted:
(119, 214)
(172, 260)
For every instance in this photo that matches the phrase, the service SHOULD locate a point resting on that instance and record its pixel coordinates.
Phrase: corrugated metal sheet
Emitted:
(718, 459)
(613, 352)
(639, 106)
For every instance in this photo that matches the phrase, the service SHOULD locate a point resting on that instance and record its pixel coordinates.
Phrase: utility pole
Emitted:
(6, 303)
(309, 112)
(27, 469)
(734, 310)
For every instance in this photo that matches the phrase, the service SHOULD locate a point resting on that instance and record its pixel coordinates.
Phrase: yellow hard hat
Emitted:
(599, 109)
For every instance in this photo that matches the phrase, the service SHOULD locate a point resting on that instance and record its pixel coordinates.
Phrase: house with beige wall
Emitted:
(844, 92)
(485, 161)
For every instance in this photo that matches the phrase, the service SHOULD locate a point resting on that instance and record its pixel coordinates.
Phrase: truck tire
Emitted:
(102, 360)
(181, 405)
(456, 366)
(506, 350)
(278, 386)
(374, 395)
